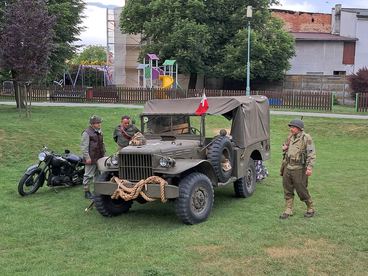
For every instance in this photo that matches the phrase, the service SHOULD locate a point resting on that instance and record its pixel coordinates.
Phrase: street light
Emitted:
(249, 16)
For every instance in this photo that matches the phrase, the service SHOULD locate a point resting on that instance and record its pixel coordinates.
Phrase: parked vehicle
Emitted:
(192, 164)
(57, 170)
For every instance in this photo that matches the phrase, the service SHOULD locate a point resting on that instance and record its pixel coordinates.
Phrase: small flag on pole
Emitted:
(203, 106)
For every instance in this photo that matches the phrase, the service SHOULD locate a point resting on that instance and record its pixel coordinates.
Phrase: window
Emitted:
(349, 53)
(339, 73)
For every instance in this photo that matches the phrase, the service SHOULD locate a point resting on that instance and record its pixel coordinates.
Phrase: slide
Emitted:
(167, 81)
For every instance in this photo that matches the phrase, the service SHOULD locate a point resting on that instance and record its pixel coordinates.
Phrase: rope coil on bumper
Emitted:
(127, 193)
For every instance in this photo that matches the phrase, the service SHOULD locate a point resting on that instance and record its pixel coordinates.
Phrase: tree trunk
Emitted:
(192, 81)
(19, 96)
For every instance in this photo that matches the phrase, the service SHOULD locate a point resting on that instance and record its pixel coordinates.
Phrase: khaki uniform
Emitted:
(299, 156)
(123, 136)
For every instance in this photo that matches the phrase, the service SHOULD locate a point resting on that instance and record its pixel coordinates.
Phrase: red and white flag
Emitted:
(203, 106)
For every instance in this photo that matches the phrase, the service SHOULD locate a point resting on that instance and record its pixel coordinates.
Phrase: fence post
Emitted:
(332, 100)
(356, 101)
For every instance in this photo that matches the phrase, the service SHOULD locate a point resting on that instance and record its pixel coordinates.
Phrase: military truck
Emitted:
(178, 150)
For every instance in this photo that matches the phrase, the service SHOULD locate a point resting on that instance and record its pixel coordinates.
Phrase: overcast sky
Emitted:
(95, 14)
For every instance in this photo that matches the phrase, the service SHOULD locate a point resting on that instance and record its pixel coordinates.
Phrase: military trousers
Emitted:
(296, 180)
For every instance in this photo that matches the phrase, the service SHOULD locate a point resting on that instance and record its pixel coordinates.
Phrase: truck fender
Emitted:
(185, 166)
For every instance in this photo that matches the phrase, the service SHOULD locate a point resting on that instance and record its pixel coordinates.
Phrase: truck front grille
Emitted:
(134, 167)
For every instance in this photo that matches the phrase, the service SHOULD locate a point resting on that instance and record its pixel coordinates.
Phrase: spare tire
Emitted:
(220, 150)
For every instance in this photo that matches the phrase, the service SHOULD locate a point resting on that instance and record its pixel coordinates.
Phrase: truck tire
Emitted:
(195, 200)
(245, 186)
(107, 206)
(219, 150)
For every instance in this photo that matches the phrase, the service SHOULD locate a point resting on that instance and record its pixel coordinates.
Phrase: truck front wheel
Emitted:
(107, 206)
(195, 200)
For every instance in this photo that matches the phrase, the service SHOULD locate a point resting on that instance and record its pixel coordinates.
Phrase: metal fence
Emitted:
(315, 100)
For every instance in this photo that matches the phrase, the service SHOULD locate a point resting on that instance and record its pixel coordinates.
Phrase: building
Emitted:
(352, 23)
(327, 44)
(124, 49)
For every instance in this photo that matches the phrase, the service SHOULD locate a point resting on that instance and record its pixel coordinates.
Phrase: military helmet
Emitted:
(297, 123)
(94, 119)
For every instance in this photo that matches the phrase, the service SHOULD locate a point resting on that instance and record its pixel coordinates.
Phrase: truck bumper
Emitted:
(151, 190)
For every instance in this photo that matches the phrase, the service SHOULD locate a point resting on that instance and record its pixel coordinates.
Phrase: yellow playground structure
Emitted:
(151, 75)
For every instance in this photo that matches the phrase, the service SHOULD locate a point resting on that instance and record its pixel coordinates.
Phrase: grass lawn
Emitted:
(49, 233)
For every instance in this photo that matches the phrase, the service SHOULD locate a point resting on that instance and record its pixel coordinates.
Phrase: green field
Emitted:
(49, 233)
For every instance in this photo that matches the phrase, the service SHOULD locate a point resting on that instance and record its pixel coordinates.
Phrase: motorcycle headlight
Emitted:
(167, 162)
(42, 156)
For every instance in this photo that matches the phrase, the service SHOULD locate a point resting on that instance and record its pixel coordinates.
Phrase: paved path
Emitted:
(273, 112)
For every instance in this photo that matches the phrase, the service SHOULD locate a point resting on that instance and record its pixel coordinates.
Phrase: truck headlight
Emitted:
(114, 160)
(167, 162)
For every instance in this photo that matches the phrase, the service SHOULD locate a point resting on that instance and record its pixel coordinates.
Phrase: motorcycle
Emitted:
(57, 170)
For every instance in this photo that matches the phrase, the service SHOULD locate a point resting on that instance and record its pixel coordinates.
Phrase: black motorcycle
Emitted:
(57, 170)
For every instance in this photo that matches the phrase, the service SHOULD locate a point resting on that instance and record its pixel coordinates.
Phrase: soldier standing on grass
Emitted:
(297, 166)
(124, 132)
(93, 148)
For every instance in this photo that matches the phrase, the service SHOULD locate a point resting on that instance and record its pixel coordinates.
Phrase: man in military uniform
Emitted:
(298, 162)
(93, 148)
(124, 132)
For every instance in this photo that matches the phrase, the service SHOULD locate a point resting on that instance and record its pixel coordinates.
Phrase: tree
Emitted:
(26, 41)
(359, 81)
(201, 35)
(91, 55)
(68, 14)
(271, 48)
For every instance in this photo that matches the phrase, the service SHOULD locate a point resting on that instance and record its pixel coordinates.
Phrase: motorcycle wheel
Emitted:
(30, 183)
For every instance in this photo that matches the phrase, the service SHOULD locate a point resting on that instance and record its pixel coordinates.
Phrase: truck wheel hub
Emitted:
(199, 200)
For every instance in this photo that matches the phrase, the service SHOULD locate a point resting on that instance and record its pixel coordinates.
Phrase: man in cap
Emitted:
(124, 132)
(299, 159)
(93, 148)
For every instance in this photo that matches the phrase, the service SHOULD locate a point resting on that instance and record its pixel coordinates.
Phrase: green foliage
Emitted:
(208, 36)
(359, 81)
(271, 49)
(91, 55)
(68, 27)
(49, 233)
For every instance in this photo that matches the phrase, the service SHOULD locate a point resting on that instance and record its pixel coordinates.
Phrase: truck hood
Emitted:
(165, 148)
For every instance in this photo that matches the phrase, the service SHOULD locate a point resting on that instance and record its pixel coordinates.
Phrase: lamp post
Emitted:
(249, 16)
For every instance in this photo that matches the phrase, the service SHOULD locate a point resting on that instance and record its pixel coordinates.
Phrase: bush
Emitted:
(359, 81)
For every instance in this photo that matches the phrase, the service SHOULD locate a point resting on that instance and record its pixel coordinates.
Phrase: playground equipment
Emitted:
(167, 81)
(101, 75)
(151, 75)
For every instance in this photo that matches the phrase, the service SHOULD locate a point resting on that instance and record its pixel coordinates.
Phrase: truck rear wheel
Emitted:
(195, 200)
(107, 206)
(245, 186)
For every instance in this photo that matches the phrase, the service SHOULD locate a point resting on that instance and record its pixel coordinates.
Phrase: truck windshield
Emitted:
(169, 124)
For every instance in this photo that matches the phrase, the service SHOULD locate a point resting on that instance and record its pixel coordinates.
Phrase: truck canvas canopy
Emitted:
(249, 114)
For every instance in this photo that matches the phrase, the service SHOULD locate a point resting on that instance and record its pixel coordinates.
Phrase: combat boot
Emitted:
(288, 209)
(310, 209)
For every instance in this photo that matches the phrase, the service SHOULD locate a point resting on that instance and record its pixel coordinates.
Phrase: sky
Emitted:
(95, 14)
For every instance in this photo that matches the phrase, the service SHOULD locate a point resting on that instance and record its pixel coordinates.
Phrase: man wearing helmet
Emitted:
(299, 159)
(93, 148)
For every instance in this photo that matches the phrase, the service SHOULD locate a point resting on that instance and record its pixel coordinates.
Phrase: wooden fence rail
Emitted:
(315, 100)
(361, 102)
